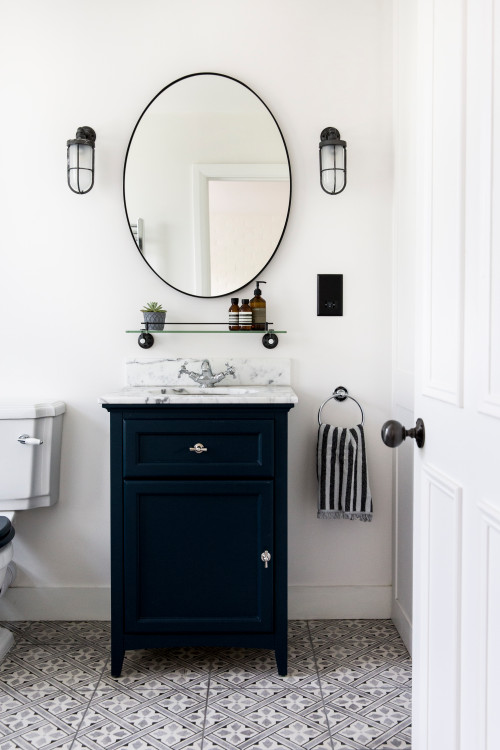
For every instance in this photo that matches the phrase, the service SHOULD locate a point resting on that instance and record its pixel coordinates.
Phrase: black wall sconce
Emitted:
(332, 162)
(81, 160)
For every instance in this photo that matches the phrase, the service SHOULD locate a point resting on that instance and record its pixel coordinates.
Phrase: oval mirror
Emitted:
(207, 185)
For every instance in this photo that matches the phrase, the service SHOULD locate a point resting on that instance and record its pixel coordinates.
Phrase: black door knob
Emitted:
(393, 433)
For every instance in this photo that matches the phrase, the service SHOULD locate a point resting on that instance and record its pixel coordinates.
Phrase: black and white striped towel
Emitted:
(343, 491)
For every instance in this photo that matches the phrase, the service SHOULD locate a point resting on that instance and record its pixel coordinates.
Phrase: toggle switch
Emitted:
(330, 294)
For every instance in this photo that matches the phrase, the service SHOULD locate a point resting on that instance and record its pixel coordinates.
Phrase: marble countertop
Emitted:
(219, 394)
(161, 380)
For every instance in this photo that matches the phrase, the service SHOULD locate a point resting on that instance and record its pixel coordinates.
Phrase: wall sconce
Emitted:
(332, 162)
(81, 160)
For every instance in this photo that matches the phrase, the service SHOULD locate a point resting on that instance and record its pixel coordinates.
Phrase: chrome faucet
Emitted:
(206, 378)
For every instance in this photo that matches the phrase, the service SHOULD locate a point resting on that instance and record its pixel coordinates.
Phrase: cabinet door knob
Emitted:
(265, 557)
(199, 448)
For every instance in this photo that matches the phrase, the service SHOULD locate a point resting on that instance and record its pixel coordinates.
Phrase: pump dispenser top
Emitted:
(258, 306)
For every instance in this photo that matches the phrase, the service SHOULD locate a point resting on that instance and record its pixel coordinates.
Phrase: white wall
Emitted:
(72, 280)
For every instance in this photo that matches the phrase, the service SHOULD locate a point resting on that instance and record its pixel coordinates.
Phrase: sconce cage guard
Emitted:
(80, 160)
(332, 162)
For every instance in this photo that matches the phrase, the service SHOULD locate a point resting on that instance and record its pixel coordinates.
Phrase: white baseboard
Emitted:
(305, 603)
(23, 603)
(339, 602)
(402, 623)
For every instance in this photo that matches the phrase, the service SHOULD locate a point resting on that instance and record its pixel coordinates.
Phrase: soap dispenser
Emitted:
(258, 306)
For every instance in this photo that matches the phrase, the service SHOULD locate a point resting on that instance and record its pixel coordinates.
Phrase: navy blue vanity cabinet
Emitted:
(198, 527)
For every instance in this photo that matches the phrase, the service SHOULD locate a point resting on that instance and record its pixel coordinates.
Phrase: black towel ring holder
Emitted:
(340, 394)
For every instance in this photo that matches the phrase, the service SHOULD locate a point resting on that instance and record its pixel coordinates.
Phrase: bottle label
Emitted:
(259, 315)
(245, 318)
(233, 318)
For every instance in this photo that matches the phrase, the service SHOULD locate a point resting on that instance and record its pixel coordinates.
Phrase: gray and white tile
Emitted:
(348, 688)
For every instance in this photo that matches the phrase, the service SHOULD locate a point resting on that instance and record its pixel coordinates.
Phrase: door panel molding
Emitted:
(440, 637)
(442, 196)
(489, 624)
(486, 233)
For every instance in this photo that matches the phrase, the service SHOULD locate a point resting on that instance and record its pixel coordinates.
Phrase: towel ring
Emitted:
(340, 394)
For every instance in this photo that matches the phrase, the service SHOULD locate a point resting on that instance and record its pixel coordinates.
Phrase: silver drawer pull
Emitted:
(199, 448)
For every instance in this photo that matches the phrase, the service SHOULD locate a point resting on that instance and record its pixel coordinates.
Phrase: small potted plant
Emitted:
(154, 314)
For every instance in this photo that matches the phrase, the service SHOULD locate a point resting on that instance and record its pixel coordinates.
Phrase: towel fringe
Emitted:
(343, 514)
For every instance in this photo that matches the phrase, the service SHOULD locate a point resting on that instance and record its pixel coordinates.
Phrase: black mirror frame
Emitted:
(231, 78)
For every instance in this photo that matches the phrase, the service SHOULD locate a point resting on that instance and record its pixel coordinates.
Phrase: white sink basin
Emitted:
(197, 390)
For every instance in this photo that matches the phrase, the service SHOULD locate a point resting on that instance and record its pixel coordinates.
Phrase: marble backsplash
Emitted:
(159, 371)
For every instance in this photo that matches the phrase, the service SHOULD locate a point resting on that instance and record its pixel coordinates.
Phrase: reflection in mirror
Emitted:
(207, 185)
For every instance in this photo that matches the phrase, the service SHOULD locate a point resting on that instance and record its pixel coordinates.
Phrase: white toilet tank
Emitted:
(29, 476)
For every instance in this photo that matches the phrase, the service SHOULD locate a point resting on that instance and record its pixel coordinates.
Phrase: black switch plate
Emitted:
(330, 293)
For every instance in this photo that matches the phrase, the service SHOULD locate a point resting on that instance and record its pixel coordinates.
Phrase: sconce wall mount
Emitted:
(332, 162)
(81, 160)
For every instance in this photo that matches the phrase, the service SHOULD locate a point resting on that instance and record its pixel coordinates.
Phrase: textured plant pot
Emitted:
(156, 320)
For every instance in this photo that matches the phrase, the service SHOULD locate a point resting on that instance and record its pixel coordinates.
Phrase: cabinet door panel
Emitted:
(193, 556)
(155, 448)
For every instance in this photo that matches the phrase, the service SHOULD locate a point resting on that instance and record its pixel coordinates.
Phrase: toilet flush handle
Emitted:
(27, 440)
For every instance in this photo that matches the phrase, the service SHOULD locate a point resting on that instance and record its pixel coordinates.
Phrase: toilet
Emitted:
(30, 446)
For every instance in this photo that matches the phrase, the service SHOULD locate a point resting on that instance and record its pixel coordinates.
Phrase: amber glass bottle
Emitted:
(234, 312)
(258, 306)
(245, 316)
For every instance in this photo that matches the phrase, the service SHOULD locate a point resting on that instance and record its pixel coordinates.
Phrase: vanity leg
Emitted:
(281, 653)
(117, 655)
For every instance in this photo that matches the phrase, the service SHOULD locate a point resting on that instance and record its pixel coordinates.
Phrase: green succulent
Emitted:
(153, 307)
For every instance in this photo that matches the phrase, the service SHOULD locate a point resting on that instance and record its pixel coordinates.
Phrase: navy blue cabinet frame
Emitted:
(187, 529)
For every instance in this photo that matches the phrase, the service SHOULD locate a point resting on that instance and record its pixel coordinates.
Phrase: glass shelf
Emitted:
(146, 338)
(271, 330)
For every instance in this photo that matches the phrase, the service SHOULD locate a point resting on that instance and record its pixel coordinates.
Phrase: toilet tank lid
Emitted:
(27, 410)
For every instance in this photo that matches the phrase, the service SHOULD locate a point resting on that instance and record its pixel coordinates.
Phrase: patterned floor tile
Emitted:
(19, 630)
(403, 700)
(340, 677)
(388, 717)
(303, 734)
(236, 702)
(148, 732)
(352, 701)
(376, 687)
(394, 743)
(49, 632)
(261, 688)
(43, 697)
(360, 732)
(348, 687)
(286, 719)
(163, 659)
(96, 656)
(146, 679)
(398, 674)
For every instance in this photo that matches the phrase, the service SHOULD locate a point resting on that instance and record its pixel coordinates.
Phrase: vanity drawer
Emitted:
(197, 447)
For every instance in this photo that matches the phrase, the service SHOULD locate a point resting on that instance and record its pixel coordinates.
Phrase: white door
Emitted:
(456, 623)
